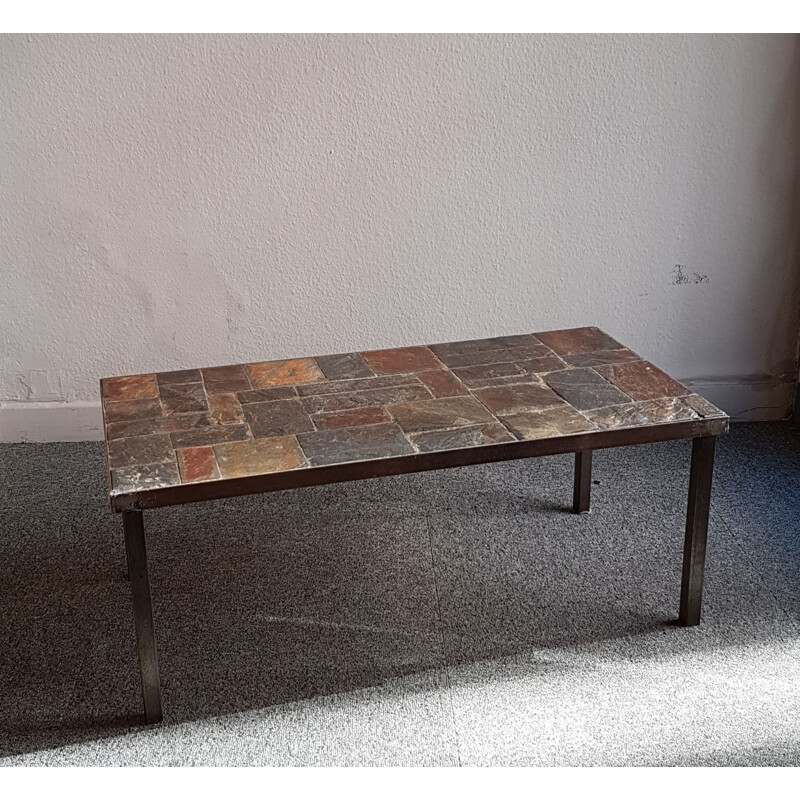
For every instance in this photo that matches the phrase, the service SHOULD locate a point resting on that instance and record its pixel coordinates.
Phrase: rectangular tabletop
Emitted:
(197, 434)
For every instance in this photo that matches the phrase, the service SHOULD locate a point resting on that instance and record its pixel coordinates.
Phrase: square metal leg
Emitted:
(583, 482)
(143, 613)
(694, 550)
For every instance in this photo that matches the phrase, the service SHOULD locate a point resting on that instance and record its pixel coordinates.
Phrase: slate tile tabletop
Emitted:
(209, 425)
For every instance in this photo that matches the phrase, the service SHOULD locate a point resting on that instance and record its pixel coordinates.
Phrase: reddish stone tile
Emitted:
(552, 422)
(136, 427)
(197, 464)
(183, 398)
(185, 422)
(225, 408)
(442, 383)
(127, 410)
(601, 357)
(519, 397)
(642, 381)
(139, 450)
(446, 412)
(179, 376)
(351, 419)
(578, 340)
(283, 373)
(403, 359)
(258, 457)
(226, 379)
(130, 387)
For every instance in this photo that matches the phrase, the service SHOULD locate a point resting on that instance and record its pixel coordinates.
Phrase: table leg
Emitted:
(583, 482)
(694, 550)
(143, 613)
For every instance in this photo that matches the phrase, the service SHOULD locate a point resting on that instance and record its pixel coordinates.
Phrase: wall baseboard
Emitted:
(82, 421)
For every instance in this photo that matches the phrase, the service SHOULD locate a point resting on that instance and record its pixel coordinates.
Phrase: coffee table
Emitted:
(202, 434)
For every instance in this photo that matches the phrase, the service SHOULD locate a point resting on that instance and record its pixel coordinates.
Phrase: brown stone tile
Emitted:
(327, 404)
(447, 349)
(263, 395)
(601, 357)
(446, 412)
(197, 464)
(456, 438)
(130, 387)
(136, 427)
(127, 410)
(225, 408)
(143, 477)
(351, 419)
(277, 418)
(488, 374)
(199, 437)
(232, 378)
(478, 357)
(442, 383)
(647, 412)
(282, 373)
(403, 359)
(258, 457)
(179, 376)
(185, 422)
(357, 384)
(344, 366)
(578, 340)
(560, 421)
(642, 381)
(140, 450)
(702, 406)
(584, 388)
(183, 398)
(519, 397)
(539, 366)
(354, 444)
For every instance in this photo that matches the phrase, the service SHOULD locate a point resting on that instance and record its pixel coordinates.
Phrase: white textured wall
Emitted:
(174, 201)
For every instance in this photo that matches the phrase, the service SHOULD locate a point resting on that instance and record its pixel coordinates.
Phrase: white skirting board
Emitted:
(81, 421)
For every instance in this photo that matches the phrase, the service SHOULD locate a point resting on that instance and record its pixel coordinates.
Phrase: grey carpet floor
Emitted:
(453, 618)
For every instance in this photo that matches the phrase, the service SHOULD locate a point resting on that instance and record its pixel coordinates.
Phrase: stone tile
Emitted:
(539, 366)
(448, 349)
(130, 387)
(642, 381)
(488, 374)
(442, 383)
(277, 418)
(140, 450)
(647, 412)
(584, 388)
(136, 427)
(199, 437)
(702, 406)
(601, 357)
(357, 384)
(225, 408)
(179, 376)
(478, 357)
(344, 366)
(226, 379)
(282, 373)
(473, 436)
(351, 419)
(197, 464)
(519, 397)
(559, 421)
(127, 480)
(127, 410)
(354, 444)
(403, 359)
(182, 398)
(578, 340)
(446, 412)
(326, 404)
(239, 459)
(185, 422)
(263, 395)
